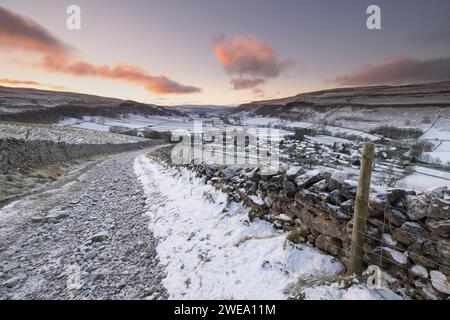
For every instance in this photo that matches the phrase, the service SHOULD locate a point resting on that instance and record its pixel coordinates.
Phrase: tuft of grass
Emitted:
(24, 180)
(247, 238)
(296, 290)
(187, 282)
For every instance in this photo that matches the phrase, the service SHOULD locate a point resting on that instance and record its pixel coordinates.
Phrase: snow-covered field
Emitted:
(96, 130)
(423, 179)
(441, 154)
(211, 250)
(157, 123)
(261, 121)
(439, 135)
(328, 140)
(383, 170)
(291, 125)
(61, 134)
(335, 130)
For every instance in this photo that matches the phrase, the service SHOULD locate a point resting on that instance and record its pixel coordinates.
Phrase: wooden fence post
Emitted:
(361, 209)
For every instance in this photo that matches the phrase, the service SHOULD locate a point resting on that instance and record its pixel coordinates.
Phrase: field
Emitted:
(318, 149)
(61, 134)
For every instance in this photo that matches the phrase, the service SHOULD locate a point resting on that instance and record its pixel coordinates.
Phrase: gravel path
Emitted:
(85, 238)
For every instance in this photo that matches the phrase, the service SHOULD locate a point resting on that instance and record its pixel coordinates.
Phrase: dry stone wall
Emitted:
(407, 232)
(15, 154)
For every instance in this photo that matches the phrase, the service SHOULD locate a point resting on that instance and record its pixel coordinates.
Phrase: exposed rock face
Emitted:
(440, 227)
(439, 209)
(348, 206)
(396, 197)
(298, 234)
(377, 205)
(310, 178)
(440, 281)
(443, 251)
(293, 172)
(407, 233)
(328, 244)
(396, 217)
(420, 271)
(416, 207)
(330, 228)
(387, 256)
(419, 254)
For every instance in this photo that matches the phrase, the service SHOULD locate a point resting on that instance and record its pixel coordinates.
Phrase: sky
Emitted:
(223, 52)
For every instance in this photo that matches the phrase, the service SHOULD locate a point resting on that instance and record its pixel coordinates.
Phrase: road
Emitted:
(84, 237)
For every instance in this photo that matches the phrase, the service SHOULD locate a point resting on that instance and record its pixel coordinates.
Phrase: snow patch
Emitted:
(210, 250)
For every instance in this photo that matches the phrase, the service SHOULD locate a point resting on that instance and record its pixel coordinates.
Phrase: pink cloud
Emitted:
(247, 55)
(258, 93)
(250, 60)
(31, 83)
(20, 32)
(121, 71)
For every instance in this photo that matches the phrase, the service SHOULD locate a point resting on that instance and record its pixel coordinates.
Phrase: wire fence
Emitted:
(381, 248)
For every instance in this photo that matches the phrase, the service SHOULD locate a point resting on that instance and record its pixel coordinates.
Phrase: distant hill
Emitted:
(44, 106)
(359, 106)
(428, 94)
(203, 108)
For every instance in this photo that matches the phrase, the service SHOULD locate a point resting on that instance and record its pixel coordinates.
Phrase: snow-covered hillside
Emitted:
(435, 93)
(360, 108)
(14, 100)
(32, 105)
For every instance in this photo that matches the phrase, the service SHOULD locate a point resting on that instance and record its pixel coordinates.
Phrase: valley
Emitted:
(289, 228)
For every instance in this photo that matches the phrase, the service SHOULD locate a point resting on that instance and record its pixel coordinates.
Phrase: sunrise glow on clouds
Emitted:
(31, 83)
(174, 62)
(249, 60)
(20, 32)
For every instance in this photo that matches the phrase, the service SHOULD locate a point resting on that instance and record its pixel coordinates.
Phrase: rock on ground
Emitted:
(86, 238)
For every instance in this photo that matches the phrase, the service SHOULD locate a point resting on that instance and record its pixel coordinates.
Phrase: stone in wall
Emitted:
(409, 231)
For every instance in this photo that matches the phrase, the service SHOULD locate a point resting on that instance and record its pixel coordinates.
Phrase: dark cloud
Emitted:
(437, 37)
(400, 70)
(22, 32)
(243, 83)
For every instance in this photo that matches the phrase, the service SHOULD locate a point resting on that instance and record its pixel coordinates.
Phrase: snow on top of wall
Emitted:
(211, 250)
